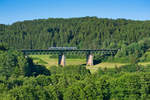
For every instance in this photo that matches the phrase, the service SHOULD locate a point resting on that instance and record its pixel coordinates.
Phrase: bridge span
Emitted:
(61, 53)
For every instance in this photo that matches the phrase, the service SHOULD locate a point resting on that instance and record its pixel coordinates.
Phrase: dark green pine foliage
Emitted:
(85, 32)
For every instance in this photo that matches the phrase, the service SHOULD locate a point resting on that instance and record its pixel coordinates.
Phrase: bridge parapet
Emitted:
(86, 51)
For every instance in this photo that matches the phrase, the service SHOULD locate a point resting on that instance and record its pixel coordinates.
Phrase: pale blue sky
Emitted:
(19, 10)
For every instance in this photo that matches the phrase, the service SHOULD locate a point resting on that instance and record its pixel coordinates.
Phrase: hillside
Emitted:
(85, 32)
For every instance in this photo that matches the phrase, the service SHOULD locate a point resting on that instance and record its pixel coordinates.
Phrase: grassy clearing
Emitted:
(144, 63)
(47, 61)
(105, 65)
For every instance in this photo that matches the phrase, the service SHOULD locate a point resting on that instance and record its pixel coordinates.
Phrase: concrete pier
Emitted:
(62, 60)
(89, 60)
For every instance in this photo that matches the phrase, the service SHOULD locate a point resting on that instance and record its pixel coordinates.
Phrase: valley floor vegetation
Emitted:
(21, 79)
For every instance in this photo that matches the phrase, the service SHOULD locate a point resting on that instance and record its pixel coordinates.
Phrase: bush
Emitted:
(78, 70)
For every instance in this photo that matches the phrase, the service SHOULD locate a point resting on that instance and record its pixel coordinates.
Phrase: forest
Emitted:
(131, 37)
(22, 79)
(86, 32)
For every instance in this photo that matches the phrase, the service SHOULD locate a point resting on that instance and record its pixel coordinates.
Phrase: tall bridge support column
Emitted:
(89, 60)
(62, 60)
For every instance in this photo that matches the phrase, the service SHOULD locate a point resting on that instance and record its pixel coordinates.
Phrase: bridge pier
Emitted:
(89, 60)
(62, 60)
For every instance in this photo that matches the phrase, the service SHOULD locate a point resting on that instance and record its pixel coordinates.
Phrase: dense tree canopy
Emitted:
(14, 63)
(86, 32)
(21, 79)
(125, 83)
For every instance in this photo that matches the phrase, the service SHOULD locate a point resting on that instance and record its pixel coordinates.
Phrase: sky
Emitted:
(18, 10)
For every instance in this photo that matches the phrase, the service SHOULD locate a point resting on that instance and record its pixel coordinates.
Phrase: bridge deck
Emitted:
(70, 50)
(77, 51)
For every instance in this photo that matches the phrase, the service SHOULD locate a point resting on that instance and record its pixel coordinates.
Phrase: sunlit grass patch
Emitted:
(94, 68)
(47, 61)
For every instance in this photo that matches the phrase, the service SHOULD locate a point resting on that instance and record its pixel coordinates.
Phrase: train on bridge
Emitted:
(62, 48)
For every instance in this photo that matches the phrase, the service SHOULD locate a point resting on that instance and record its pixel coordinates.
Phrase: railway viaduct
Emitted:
(61, 53)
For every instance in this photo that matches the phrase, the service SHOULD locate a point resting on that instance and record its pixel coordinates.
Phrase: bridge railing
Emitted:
(82, 51)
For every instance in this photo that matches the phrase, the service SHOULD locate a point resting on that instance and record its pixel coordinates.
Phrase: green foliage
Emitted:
(131, 37)
(84, 33)
(145, 57)
(3, 46)
(70, 70)
(123, 69)
(35, 70)
(71, 83)
(21, 79)
(13, 63)
(132, 53)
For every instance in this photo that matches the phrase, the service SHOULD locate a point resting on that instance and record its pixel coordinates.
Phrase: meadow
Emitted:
(49, 61)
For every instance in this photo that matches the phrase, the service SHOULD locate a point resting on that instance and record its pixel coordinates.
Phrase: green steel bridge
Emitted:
(61, 58)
